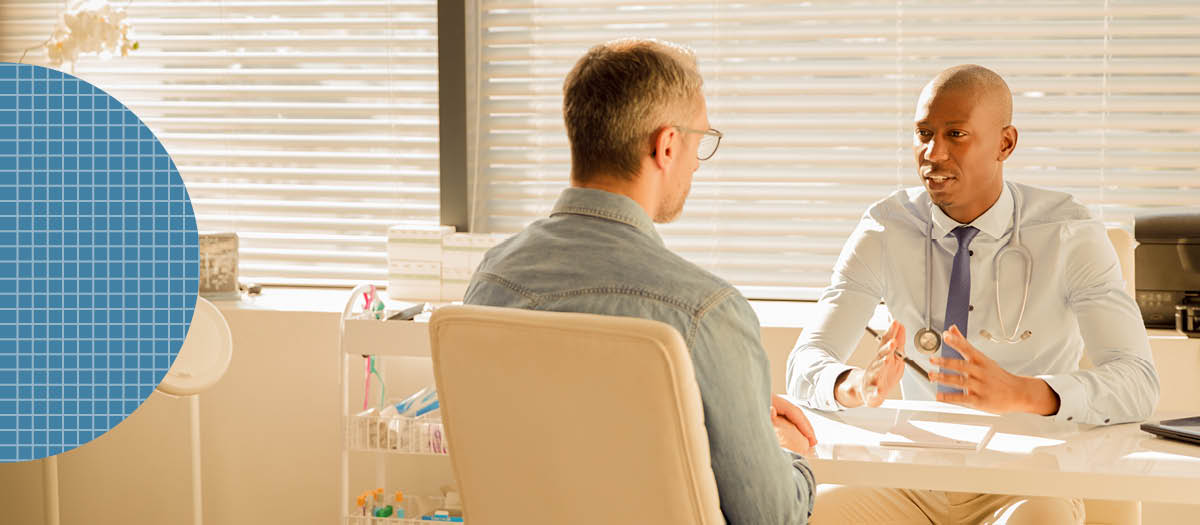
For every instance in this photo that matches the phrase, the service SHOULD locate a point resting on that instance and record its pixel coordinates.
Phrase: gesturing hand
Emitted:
(886, 369)
(986, 385)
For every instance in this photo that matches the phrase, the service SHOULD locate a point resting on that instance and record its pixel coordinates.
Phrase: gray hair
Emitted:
(617, 95)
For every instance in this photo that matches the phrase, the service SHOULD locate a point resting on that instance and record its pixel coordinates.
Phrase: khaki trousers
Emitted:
(842, 505)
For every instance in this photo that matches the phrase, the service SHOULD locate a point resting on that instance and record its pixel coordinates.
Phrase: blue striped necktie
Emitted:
(958, 301)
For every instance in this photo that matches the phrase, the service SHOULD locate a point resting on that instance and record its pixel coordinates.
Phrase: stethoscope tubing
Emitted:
(927, 340)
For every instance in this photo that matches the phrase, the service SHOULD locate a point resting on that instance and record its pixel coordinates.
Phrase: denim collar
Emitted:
(606, 205)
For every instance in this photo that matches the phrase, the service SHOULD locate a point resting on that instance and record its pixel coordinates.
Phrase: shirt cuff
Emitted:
(1071, 398)
(826, 399)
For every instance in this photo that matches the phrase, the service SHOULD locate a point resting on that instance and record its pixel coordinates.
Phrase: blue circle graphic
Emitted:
(98, 262)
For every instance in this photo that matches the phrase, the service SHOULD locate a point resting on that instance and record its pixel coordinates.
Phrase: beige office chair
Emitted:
(1099, 511)
(1124, 244)
(571, 418)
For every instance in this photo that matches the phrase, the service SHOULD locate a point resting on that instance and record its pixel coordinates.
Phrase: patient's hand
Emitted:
(790, 413)
(789, 434)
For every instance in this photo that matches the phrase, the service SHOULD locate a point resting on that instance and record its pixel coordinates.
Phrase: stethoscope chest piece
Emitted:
(927, 341)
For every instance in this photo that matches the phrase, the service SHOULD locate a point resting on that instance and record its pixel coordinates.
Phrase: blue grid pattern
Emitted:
(98, 262)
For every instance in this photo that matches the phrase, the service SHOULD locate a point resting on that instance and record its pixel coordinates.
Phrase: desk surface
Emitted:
(1026, 455)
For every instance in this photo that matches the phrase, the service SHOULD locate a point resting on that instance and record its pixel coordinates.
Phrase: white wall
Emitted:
(271, 443)
(269, 434)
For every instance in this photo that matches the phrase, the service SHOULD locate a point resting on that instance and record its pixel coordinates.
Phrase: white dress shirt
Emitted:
(1077, 300)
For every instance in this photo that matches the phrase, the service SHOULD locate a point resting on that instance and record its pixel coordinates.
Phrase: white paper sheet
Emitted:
(937, 434)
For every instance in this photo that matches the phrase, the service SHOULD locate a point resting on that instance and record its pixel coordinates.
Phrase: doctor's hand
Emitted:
(793, 415)
(986, 385)
(870, 386)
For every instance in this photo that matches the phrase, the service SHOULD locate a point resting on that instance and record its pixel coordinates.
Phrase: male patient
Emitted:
(936, 255)
(638, 128)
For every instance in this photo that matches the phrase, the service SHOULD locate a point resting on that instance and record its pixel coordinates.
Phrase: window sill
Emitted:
(771, 314)
(290, 299)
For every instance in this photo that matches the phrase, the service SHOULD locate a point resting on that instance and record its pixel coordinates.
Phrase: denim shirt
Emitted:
(599, 253)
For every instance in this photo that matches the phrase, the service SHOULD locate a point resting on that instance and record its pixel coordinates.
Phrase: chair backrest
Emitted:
(571, 418)
(1124, 244)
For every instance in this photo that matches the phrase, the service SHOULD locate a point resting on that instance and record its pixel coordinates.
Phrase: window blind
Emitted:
(816, 101)
(307, 127)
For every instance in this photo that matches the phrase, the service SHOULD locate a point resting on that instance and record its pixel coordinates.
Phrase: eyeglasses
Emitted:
(708, 143)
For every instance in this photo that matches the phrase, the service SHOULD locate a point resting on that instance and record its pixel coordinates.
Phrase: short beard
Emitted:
(670, 209)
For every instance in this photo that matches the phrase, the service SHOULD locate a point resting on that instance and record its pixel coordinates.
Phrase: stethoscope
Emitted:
(928, 340)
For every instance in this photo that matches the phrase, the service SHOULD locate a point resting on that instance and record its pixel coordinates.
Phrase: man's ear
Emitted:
(1008, 142)
(663, 150)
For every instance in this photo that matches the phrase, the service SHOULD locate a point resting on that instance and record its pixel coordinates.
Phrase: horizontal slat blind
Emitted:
(816, 102)
(308, 127)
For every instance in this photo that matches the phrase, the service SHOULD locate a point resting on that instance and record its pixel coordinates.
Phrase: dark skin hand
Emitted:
(986, 385)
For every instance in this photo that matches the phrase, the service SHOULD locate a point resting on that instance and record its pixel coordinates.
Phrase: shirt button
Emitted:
(1106, 420)
(970, 308)
(970, 253)
(1070, 418)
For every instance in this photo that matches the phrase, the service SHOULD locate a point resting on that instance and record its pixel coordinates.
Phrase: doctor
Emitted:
(1006, 285)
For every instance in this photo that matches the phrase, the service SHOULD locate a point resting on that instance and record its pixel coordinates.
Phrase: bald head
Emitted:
(982, 86)
(962, 135)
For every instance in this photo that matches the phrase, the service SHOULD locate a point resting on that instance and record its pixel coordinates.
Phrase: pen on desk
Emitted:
(912, 364)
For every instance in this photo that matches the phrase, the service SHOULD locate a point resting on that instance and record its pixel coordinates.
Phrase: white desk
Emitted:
(1027, 455)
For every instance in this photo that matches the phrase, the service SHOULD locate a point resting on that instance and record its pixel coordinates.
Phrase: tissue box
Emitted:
(416, 243)
(454, 283)
(466, 250)
(415, 280)
(461, 255)
(414, 255)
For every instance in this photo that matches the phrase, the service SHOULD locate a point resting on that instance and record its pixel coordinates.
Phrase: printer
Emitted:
(1167, 270)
